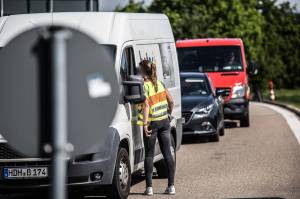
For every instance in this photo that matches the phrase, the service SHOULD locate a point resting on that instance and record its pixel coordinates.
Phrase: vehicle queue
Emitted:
(206, 78)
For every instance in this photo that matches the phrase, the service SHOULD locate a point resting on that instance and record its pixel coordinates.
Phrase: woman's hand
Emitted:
(170, 102)
(147, 131)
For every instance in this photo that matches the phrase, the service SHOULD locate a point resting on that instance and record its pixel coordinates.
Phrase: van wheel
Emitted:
(161, 167)
(245, 121)
(122, 176)
(222, 131)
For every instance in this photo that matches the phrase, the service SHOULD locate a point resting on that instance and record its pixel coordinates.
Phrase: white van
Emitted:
(134, 37)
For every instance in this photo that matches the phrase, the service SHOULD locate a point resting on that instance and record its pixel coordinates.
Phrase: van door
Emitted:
(151, 52)
(128, 67)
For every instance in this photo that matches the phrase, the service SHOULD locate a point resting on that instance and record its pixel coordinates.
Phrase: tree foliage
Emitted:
(270, 31)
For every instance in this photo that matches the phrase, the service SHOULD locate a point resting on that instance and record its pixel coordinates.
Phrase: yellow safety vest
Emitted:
(157, 101)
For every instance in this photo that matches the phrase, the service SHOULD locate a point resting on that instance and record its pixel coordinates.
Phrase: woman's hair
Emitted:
(148, 68)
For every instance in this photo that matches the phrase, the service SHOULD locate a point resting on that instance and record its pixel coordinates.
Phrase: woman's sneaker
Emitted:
(149, 191)
(170, 190)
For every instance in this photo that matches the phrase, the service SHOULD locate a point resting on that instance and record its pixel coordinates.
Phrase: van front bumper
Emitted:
(80, 170)
(236, 108)
(80, 175)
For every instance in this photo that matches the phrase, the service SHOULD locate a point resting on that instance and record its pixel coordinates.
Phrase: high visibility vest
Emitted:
(157, 101)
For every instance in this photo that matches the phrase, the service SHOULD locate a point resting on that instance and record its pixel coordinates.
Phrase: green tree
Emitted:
(133, 7)
(281, 57)
(271, 32)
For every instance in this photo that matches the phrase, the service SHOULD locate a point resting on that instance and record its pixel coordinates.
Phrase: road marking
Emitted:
(291, 118)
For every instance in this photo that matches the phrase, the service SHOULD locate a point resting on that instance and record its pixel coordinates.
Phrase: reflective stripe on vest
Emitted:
(140, 116)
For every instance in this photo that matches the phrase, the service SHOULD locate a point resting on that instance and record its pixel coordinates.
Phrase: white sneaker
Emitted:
(149, 191)
(170, 190)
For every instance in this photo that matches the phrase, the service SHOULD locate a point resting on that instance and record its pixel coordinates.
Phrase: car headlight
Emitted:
(238, 91)
(203, 112)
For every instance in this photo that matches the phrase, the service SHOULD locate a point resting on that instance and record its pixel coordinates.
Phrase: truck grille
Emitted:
(8, 152)
(225, 91)
(187, 116)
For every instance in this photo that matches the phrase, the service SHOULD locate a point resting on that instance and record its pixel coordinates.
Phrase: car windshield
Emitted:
(194, 86)
(210, 59)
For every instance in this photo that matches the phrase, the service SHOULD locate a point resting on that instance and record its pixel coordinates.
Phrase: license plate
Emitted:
(19, 173)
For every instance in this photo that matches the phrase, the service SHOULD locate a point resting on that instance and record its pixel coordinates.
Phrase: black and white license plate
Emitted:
(22, 173)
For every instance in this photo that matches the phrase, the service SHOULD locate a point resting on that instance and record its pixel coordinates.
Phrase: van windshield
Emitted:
(210, 59)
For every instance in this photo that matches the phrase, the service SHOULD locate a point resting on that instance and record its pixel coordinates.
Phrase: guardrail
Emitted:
(288, 107)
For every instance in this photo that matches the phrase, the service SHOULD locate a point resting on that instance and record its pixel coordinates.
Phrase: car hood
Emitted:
(193, 102)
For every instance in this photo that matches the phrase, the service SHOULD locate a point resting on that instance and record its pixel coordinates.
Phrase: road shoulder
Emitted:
(291, 118)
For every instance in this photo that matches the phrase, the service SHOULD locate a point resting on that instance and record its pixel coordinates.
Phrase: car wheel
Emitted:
(215, 137)
(161, 167)
(222, 131)
(122, 176)
(245, 121)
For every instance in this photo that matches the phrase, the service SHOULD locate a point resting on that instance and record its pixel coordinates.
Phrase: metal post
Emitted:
(99, 5)
(50, 6)
(2, 8)
(59, 95)
(28, 6)
(91, 5)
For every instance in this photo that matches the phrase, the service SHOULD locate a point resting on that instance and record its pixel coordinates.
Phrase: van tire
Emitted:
(120, 187)
(161, 167)
(245, 121)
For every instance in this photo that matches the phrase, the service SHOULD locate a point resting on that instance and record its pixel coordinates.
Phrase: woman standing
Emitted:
(156, 124)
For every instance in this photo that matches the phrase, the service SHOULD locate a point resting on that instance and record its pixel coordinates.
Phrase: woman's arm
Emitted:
(146, 112)
(145, 118)
(170, 102)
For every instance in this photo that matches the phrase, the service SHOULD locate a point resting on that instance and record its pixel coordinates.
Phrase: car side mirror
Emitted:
(134, 90)
(252, 68)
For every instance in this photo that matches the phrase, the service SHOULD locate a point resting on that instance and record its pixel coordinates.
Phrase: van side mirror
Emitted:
(252, 68)
(134, 90)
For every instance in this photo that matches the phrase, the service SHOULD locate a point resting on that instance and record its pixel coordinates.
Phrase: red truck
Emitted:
(223, 59)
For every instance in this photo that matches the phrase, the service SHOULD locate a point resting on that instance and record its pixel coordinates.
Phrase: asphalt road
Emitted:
(262, 161)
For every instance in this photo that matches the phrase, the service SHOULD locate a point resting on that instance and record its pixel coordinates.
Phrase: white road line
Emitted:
(291, 118)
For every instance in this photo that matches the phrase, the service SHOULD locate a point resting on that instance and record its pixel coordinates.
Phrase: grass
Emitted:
(286, 96)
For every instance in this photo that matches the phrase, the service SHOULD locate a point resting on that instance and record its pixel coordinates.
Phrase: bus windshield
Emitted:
(210, 59)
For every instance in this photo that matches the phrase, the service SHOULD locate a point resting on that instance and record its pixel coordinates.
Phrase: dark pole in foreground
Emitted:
(50, 6)
(91, 5)
(59, 95)
(1, 8)
(99, 5)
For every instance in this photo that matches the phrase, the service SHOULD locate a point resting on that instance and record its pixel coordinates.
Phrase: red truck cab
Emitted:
(224, 61)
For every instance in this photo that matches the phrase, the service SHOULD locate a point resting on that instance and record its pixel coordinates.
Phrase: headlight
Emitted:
(238, 91)
(203, 112)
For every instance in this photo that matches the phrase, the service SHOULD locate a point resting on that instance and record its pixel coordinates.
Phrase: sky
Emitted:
(293, 2)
